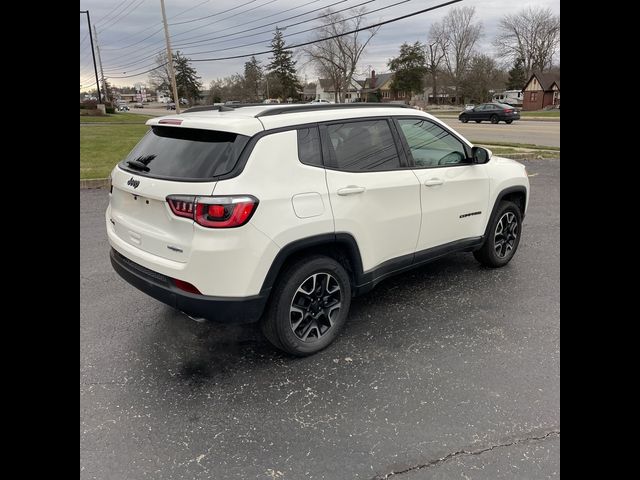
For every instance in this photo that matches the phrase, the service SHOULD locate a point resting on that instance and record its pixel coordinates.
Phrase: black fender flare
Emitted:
(344, 240)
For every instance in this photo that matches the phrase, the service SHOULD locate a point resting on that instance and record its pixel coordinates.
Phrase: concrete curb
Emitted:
(94, 183)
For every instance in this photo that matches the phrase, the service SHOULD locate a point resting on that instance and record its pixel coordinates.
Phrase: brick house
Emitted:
(542, 90)
(380, 86)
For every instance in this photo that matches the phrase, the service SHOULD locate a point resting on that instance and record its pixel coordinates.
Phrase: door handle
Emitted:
(351, 190)
(432, 182)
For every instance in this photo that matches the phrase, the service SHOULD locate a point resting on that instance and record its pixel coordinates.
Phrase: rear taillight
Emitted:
(508, 110)
(215, 212)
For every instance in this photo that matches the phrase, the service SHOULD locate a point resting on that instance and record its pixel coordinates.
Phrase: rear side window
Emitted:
(309, 150)
(363, 146)
(185, 153)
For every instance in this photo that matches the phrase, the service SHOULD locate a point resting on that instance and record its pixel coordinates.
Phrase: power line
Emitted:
(83, 39)
(122, 15)
(151, 26)
(379, 24)
(264, 52)
(225, 18)
(189, 9)
(151, 69)
(213, 15)
(146, 54)
(285, 27)
(111, 11)
(268, 24)
(304, 31)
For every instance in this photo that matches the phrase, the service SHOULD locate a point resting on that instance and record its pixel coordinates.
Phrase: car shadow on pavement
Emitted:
(199, 354)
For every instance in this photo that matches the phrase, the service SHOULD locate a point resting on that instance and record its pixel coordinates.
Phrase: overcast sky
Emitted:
(130, 32)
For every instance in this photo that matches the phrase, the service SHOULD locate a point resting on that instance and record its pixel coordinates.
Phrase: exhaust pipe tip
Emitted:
(195, 319)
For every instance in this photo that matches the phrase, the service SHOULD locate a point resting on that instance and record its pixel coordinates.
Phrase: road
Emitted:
(545, 133)
(450, 371)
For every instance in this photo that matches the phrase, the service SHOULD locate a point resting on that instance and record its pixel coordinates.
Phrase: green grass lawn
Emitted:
(542, 113)
(505, 151)
(101, 147)
(116, 117)
(516, 145)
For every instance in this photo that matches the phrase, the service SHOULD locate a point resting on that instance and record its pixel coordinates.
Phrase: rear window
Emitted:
(185, 153)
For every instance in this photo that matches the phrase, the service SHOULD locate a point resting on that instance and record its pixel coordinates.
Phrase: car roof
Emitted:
(251, 119)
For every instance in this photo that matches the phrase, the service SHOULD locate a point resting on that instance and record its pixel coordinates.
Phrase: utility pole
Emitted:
(104, 86)
(95, 68)
(170, 59)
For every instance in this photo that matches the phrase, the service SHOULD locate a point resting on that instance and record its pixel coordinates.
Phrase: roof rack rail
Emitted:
(325, 106)
(223, 108)
(202, 108)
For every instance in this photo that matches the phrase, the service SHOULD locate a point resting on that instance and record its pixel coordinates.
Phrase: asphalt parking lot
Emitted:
(447, 372)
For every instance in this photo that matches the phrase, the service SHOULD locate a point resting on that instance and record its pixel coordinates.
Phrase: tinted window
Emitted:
(309, 150)
(431, 145)
(186, 153)
(364, 146)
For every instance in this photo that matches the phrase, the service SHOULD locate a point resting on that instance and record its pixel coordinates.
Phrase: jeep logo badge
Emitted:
(133, 183)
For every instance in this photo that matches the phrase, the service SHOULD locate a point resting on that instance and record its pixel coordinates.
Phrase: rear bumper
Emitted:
(160, 287)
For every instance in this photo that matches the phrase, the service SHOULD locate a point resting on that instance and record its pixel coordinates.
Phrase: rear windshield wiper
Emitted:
(140, 163)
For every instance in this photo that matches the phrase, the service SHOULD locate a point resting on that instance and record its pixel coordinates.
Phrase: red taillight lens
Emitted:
(215, 212)
(508, 111)
(186, 286)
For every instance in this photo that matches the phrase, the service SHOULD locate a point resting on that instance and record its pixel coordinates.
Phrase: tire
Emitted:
(464, 119)
(508, 122)
(478, 121)
(494, 254)
(297, 320)
(494, 119)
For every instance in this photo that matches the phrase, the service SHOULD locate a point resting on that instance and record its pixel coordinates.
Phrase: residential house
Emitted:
(377, 88)
(309, 92)
(542, 90)
(325, 90)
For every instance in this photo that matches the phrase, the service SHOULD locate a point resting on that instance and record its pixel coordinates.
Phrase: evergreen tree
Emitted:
(517, 75)
(253, 79)
(283, 67)
(409, 68)
(187, 79)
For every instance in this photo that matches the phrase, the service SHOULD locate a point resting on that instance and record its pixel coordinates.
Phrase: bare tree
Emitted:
(337, 58)
(461, 36)
(159, 78)
(532, 34)
(436, 51)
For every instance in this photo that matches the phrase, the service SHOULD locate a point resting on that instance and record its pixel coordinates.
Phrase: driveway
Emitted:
(450, 371)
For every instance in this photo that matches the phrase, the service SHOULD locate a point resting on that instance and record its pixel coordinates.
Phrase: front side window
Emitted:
(431, 145)
(363, 146)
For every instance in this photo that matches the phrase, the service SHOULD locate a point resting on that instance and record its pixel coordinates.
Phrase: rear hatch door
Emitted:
(168, 161)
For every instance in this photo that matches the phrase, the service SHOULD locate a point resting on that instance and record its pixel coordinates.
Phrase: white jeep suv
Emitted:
(280, 214)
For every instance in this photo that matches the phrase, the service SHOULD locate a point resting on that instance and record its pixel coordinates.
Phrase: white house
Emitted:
(326, 91)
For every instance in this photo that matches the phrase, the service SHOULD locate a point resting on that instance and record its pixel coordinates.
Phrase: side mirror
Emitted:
(480, 154)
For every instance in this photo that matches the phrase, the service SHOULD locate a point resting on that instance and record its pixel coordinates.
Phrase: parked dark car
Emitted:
(171, 106)
(493, 112)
